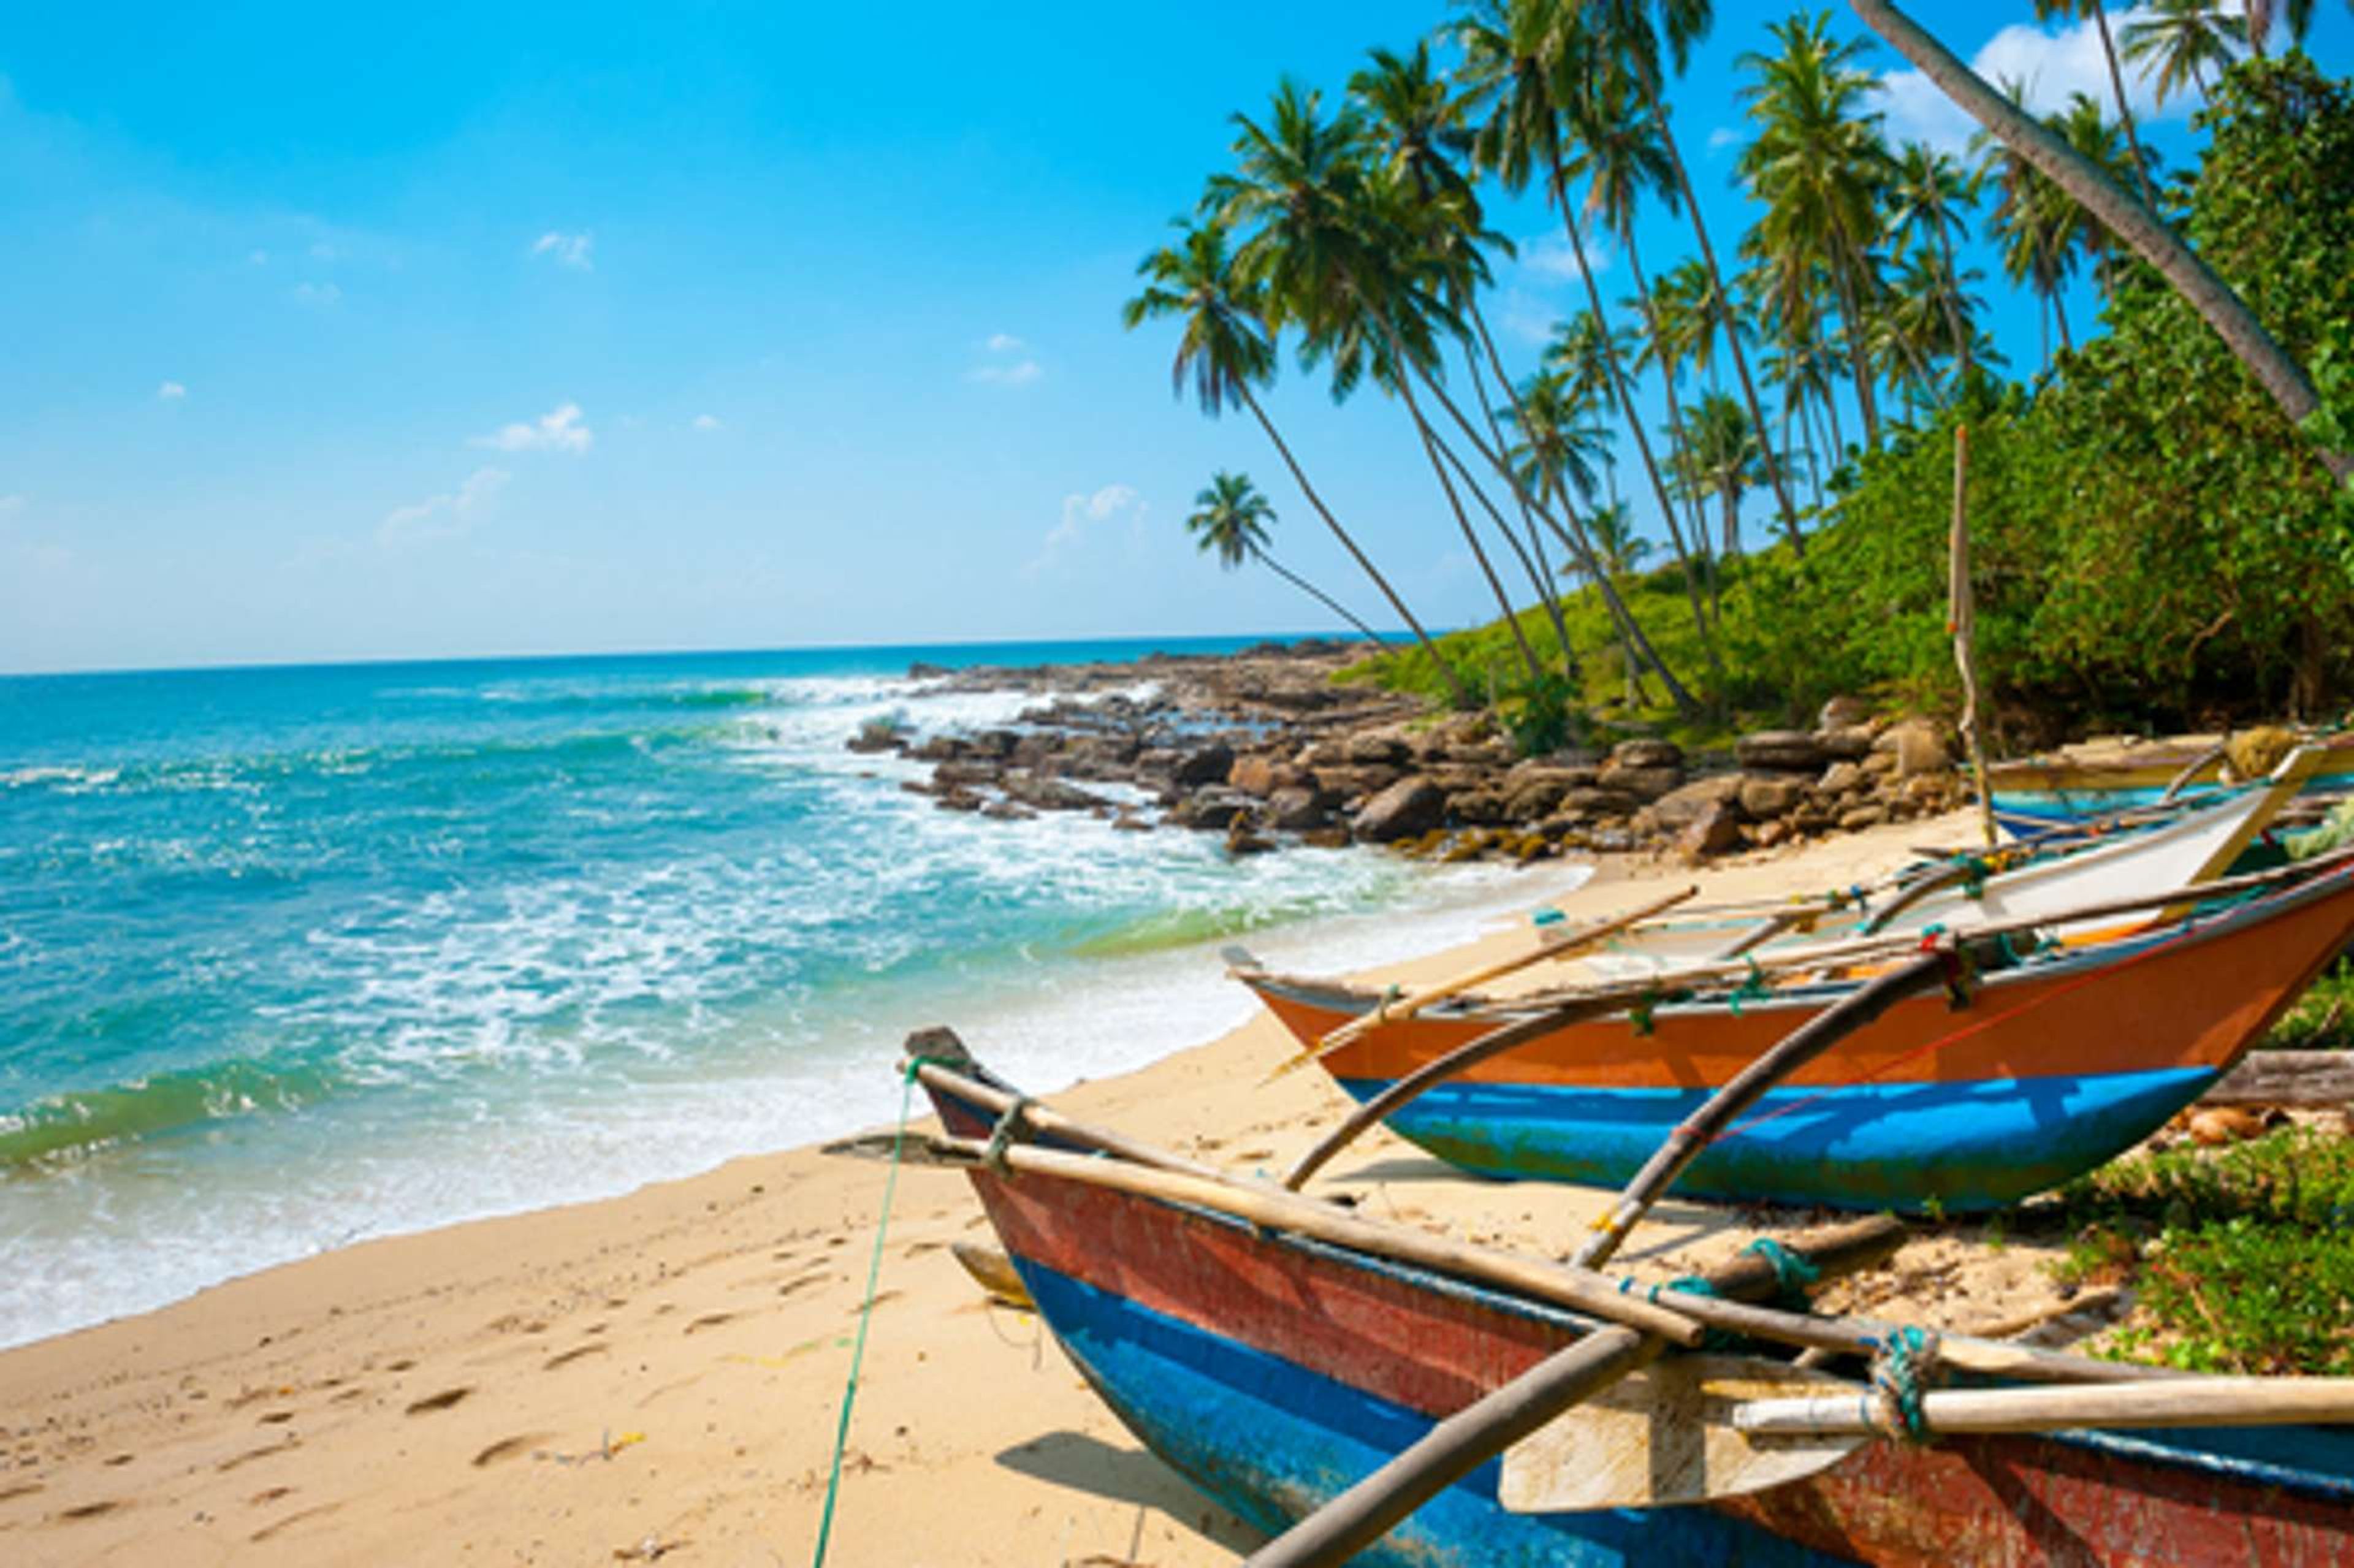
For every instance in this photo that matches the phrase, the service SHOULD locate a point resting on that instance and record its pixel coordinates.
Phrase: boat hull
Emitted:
(1274, 1373)
(2051, 1070)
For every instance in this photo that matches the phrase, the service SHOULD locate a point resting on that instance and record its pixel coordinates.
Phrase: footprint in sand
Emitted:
(266, 1531)
(268, 1495)
(508, 1447)
(90, 1510)
(442, 1401)
(252, 1454)
(574, 1354)
(23, 1488)
(709, 1321)
(276, 1418)
(403, 1364)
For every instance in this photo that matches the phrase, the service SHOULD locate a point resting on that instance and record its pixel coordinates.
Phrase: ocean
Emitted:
(291, 957)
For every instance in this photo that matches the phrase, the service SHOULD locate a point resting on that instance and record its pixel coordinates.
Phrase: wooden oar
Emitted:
(1471, 1436)
(1579, 1290)
(1738, 1093)
(1558, 946)
(2191, 1402)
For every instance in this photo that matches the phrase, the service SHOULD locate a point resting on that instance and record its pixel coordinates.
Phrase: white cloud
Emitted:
(1724, 136)
(706, 421)
(1021, 372)
(1012, 365)
(317, 295)
(2055, 66)
(442, 516)
(558, 430)
(1092, 510)
(171, 392)
(258, 258)
(567, 249)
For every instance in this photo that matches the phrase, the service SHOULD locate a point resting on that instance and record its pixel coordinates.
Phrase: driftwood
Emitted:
(2307, 1080)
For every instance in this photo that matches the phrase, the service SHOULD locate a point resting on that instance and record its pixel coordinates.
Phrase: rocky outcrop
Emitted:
(1413, 805)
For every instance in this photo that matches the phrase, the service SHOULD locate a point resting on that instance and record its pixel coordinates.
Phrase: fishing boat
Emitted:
(2036, 794)
(2195, 844)
(2041, 1072)
(1275, 1370)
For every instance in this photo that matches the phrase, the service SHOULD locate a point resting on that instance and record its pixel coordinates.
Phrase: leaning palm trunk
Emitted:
(1299, 477)
(1430, 447)
(1631, 637)
(1326, 599)
(1634, 425)
(1851, 310)
(2123, 217)
(1952, 304)
(1631, 634)
(1724, 300)
(1534, 564)
(2124, 110)
(1667, 368)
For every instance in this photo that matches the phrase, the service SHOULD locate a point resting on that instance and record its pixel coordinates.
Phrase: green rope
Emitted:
(1792, 1272)
(1906, 1362)
(867, 1308)
(1748, 990)
(1974, 875)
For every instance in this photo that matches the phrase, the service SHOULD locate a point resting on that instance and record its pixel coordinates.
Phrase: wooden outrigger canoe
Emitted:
(2199, 844)
(1274, 1371)
(2053, 1067)
(2035, 794)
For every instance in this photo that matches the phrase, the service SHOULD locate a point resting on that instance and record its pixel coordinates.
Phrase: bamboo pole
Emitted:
(1464, 1441)
(1794, 1051)
(1961, 622)
(942, 1043)
(1559, 946)
(2188, 1402)
(1580, 1289)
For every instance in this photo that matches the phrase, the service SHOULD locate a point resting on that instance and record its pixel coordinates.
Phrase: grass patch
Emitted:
(2243, 1257)
(2323, 1018)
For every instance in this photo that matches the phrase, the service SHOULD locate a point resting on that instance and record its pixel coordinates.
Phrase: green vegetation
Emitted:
(2240, 1255)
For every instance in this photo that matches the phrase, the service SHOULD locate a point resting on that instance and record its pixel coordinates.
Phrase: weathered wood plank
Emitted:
(2304, 1079)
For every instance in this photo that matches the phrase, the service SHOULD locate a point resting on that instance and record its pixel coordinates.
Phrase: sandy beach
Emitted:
(660, 1375)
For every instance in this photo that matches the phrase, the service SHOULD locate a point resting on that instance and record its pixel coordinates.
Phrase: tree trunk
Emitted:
(1724, 299)
(1953, 303)
(1627, 411)
(1532, 557)
(1730, 495)
(1682, 452)
(2138, 227)
(1852, 323)
(1326, 599)
(2124, 110)
(1446, 670)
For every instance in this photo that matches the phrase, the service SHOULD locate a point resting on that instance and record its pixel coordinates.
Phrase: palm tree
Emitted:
(1817, 163)
(1633, 48)
(1512, 63)
(1521, 60)
(1230, 519)
(1336, 246)
(2047, 9)
(2183, 37)
(2189, 277)
(1223, 351)
(1925, 195)
(2094, 136)
(1621, 548)
(2034, 224)
(1724, 458)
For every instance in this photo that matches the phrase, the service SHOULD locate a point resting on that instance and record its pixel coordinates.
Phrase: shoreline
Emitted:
(661, 1371)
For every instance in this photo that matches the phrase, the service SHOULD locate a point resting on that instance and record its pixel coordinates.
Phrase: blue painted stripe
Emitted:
(1964, 1146)
(1272, 1440)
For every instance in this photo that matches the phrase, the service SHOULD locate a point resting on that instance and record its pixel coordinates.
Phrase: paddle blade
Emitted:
(1664, 1435)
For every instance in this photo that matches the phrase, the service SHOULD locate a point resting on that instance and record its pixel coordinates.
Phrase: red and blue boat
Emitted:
(2052, 1068)
(1274, 1371)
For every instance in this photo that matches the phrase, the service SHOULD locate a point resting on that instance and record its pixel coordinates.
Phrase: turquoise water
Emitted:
(293, 956)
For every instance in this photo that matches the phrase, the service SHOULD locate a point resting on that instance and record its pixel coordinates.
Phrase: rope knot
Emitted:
(1792, 1272)
(1907, 1366)
(1012, 1128)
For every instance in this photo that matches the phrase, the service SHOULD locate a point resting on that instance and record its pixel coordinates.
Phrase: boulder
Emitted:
(941, 748)
(1204, 764)
(958, 799)
(995, 743)
(1919, 745)
(1847, 745)
(1049, 794)
(1333, 837)
(919, 671)
(1716, 830)
(1007, 812)
(1644, 783)
(1843, 713)
(1349, 782)
(1377, 748)
(1842, 778)
(1531, 798)
(1297, 809)
(1764, 796)
(1211, 809)
(1645, 752)
(1412, 805)
(1598, 801)
(1130, 821)
(1489, 807)
(1241, 841)
(1258, 774)
(1779, 751)
(965, 771)
(878, 734)
(1864, 816)
(1679, 807)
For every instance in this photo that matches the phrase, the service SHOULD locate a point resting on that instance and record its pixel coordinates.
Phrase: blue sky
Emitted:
(336, 334)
